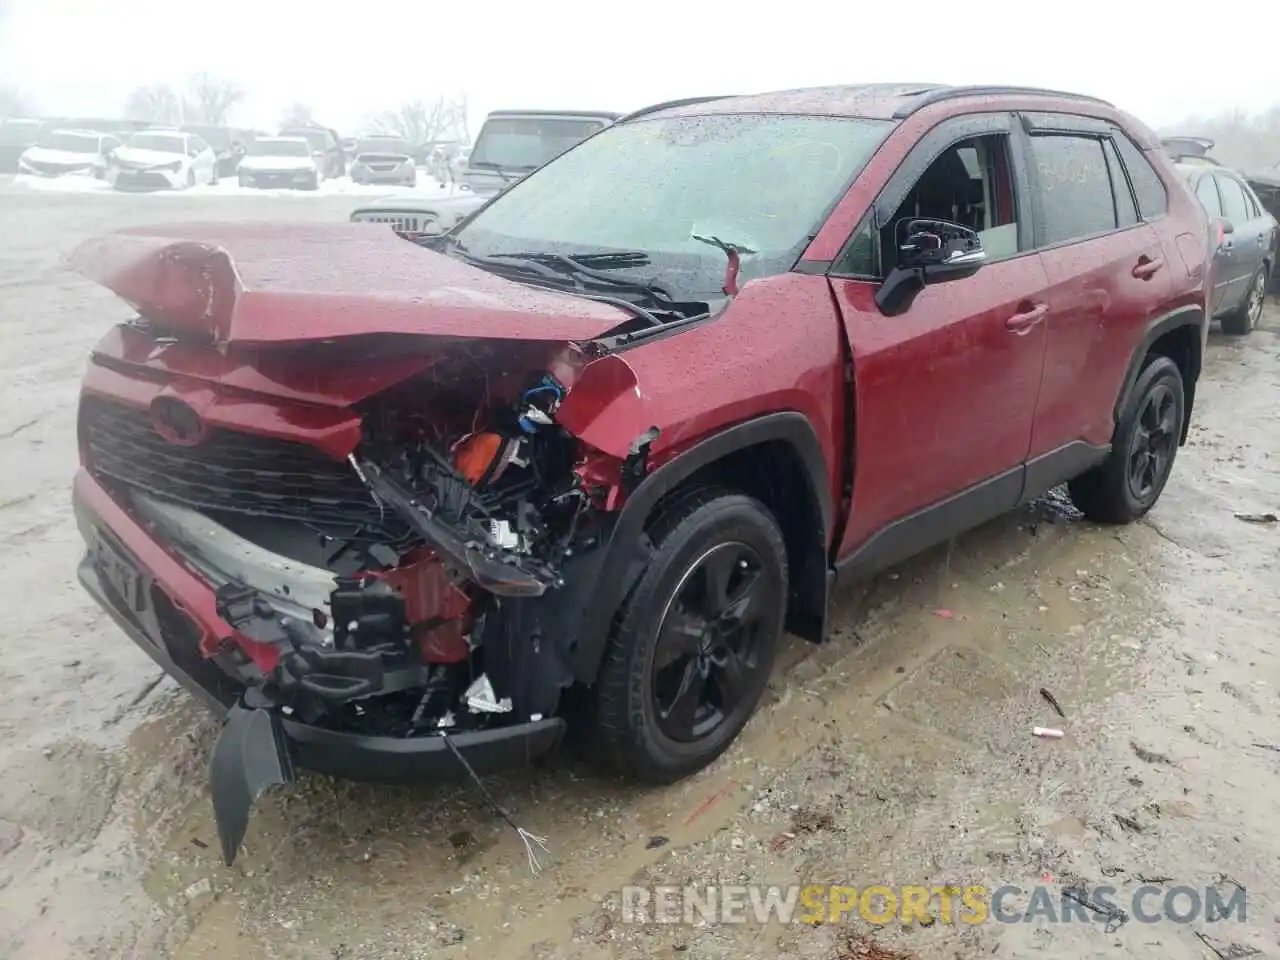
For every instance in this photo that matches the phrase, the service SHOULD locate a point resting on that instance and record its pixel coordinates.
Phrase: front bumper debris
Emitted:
(166, 610)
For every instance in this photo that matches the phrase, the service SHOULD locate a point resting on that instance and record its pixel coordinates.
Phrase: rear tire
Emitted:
(1129, 482)
(712, 550)
(1244, 318)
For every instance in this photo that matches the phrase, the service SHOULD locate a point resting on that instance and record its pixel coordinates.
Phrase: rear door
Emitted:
(1247, 242)
(1107, 278)
(944, 392)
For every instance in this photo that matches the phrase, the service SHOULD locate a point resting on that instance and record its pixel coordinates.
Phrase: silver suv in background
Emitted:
(510, 146)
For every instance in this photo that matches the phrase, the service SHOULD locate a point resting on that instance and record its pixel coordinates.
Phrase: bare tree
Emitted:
(156, 103)
(421, 121)
(210, 98)
(297, 114)
(13, 103)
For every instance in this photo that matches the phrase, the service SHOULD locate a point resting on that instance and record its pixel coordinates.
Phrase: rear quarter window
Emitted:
(1153, 198)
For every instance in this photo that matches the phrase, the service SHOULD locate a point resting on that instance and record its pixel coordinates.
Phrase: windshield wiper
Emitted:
(558, 279)
(490, 165)
(734, 252)
(573, 268)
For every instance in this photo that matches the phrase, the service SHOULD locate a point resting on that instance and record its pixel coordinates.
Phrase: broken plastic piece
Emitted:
(502, 535)
(480, 697)
(1047, 732)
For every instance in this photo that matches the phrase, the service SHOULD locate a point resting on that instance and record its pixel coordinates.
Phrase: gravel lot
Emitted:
(900, 753)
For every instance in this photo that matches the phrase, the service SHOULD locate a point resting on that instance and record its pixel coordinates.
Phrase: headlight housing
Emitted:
(171, 167)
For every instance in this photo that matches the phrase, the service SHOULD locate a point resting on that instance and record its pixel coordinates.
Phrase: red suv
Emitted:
(390, 505)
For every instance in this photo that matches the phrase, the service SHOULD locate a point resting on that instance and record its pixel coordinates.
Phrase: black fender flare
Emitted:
(1189, 316)
(622, 558)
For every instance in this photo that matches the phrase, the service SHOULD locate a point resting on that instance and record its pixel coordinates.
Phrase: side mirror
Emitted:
(929, 251)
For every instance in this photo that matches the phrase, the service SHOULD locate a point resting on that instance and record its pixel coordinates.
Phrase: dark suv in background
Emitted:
(510, 146)
(1243, 234)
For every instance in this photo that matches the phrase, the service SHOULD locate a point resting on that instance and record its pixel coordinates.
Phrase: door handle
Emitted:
(1146, 267)
(1022, 322)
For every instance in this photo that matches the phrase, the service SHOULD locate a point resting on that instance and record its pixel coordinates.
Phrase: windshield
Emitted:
(165, 143)
(383, 145)
(19, 131)
(525, 143)
(217, 137)
(318, 140)
(762, 182)
(279, 148)
(71, 142)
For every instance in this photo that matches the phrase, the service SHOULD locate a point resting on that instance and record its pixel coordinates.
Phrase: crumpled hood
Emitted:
(270, 283)
(277, 164)
(146, 158)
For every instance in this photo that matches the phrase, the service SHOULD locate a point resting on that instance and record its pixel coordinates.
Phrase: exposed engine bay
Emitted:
(378, 592)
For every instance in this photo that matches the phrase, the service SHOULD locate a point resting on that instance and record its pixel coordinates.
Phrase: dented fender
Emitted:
(592, 603)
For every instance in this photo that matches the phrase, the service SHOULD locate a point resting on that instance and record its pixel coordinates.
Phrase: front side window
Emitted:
(1075, 188)
(1235, 206)
(1207, 194)
(664, 187)
(164, 143)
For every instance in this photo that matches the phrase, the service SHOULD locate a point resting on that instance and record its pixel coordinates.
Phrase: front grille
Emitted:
(233, 472)
(401, 222)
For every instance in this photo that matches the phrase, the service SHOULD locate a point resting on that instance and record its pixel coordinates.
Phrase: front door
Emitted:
(944, 393)
(1248, 242)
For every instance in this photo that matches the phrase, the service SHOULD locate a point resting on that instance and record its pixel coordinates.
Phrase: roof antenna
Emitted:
(530, 841)
(734, 252)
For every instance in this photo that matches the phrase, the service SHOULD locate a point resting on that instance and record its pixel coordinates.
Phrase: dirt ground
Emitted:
(900, 753)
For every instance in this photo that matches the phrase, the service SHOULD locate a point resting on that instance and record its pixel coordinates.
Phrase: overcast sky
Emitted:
(348, 58)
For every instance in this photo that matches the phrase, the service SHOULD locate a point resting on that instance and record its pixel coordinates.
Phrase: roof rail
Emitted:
(669, 104)
(939, 94)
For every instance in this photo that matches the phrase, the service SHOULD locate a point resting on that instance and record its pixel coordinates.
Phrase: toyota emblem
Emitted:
(177, 421)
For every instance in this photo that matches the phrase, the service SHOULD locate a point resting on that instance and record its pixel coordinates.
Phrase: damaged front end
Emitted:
(382, 583)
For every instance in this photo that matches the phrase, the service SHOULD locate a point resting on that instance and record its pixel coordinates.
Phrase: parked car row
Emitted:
(299, 156)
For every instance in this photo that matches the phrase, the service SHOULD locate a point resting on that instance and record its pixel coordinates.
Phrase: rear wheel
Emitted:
(1245, 317)
(693, 645)
(1129, 482)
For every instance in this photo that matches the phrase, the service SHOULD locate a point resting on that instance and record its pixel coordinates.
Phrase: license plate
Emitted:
(119, 573)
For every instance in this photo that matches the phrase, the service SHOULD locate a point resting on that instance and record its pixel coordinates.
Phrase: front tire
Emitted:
(693, 644)
(1129, 482)
(191, 177)
(1245, 317)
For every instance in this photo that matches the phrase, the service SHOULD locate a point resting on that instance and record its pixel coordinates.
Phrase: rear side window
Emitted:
(1235, 207)
(1153, 199)
(1075, 188)
(1207, 194)
(1126, 212)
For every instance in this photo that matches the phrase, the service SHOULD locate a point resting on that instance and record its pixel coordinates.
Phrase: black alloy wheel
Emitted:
(708, 657)
(1153, 441)
(692, 645)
